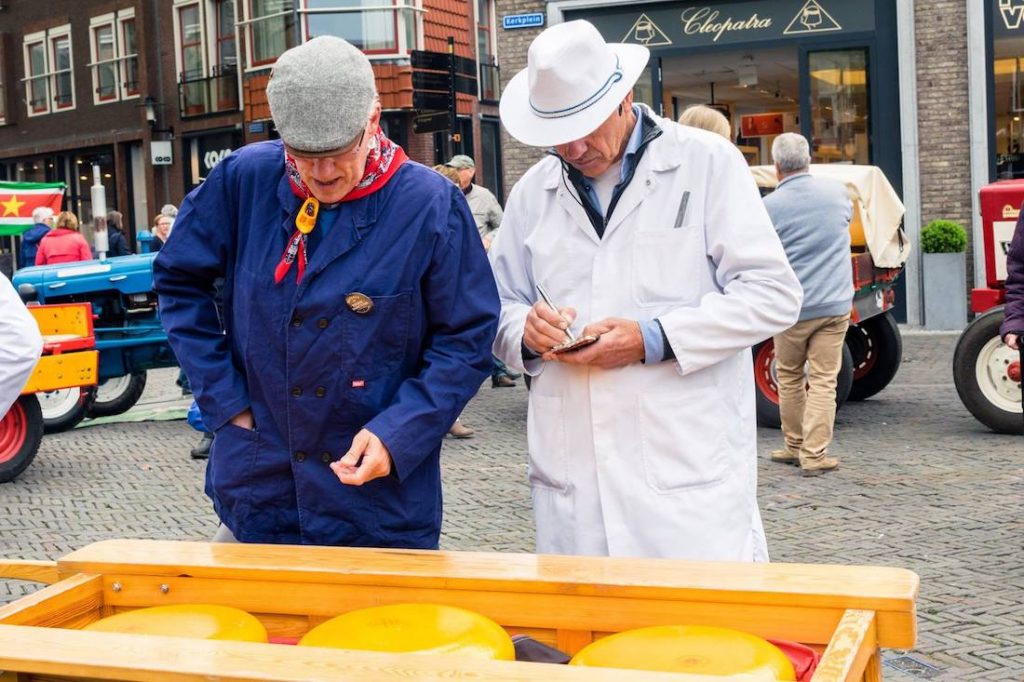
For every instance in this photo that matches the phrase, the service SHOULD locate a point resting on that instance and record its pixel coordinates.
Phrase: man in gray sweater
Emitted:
(812, 216)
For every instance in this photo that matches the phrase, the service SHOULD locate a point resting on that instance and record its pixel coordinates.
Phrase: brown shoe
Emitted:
(460, 430)
(503, 381)
(817, 467)
(785, 457)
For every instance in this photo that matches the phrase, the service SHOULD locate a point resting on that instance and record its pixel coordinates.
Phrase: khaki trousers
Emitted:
(808, 403)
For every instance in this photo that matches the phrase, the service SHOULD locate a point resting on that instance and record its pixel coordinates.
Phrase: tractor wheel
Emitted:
(21, 431)
(766, 387)
(64, 408)
(118, 395)
(877, 349)
(987, 374)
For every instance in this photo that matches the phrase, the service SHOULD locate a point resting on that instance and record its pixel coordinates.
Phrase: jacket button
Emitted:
(297, 321)
(300, 456)
(297, 391)
(326, 457)
(321, 391)
(322, 323)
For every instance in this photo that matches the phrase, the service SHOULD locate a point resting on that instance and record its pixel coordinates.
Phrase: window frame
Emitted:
(48, 40)
(115, 22)
(53, 37)
(219, 36)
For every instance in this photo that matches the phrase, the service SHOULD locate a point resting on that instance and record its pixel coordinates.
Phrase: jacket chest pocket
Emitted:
(666, 266)
(374, 343)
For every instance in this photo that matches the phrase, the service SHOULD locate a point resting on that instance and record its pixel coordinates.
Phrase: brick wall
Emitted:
(512, 47)
(942, 103)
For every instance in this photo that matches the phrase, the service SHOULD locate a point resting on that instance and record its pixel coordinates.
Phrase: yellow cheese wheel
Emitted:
(198, 621)
(415, 628)
(688, 649)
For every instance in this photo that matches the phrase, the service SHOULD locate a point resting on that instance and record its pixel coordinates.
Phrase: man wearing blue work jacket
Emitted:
(359, 312)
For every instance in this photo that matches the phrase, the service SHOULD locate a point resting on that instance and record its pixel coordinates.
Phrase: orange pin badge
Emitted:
(305, 221)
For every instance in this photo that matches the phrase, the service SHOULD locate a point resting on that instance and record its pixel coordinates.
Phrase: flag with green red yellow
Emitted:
(19, 199)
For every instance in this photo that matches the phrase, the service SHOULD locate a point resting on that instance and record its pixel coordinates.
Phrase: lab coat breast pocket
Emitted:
(666, 266)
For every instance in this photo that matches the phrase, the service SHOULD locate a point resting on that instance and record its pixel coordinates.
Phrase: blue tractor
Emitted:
(129, 337)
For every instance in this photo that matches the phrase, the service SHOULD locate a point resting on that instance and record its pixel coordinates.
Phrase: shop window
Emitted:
(49, 74)
(206, 58)
(374, 26)
(1008, 99)
(839, 107)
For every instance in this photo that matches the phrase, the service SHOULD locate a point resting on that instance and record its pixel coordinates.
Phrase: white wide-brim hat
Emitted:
(573, 81)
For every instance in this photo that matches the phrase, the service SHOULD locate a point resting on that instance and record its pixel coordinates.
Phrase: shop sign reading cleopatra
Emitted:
(693, 25)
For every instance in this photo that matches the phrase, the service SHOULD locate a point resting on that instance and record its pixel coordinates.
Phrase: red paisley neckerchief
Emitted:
(384, 160)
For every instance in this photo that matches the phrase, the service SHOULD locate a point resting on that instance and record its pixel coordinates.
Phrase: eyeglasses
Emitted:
(302, 156)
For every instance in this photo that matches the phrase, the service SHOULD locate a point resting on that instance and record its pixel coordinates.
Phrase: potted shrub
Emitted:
(943, 243)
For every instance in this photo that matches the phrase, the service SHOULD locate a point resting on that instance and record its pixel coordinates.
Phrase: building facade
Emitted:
(156, 92)
(931, 92)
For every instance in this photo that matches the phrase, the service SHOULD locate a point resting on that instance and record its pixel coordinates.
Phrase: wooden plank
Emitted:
(33, 571)
(870, 587)
(888, 591)
(107, 656)
(69, 600)
(852, 648)
(512, 610)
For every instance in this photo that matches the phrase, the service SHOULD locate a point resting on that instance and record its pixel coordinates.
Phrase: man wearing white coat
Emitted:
(653, 236)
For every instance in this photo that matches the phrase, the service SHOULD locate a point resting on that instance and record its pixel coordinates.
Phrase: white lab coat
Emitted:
(654, 460)
(20, 345)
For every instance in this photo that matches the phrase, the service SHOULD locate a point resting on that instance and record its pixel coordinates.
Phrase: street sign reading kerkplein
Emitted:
(532, 20)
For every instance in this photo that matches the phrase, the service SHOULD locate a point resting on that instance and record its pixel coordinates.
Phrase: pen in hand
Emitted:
(550, 303)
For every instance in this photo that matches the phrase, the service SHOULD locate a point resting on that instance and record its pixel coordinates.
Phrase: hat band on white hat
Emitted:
(585, 104)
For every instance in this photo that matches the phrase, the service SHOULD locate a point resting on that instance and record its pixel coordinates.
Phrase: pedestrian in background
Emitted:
(1013, 322)
(64, 243)
(482, 203)
(459, 429)
(117, 243)
(350, 341)
(20, 345)
(704, 117)
(42, 219)
(812, 216)
(171, 211)
(161, 231)
(487, 214)
(654, 237)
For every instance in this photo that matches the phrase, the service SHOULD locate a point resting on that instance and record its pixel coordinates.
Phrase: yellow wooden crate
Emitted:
(568, 602)
(64, 371)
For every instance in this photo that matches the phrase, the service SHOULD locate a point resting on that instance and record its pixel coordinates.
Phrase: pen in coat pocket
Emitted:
(681, 213)
(551, 304)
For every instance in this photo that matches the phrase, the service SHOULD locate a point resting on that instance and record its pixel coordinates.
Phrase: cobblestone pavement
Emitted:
(922, 485)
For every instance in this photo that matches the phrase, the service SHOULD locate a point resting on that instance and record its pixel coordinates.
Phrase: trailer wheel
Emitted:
(766, 387)
(21, 431)
(987, 374)
(877, 349)
(64, 408)
(118, 394)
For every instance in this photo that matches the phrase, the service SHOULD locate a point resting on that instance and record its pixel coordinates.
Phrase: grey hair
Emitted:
(791, 152)
(42, 213)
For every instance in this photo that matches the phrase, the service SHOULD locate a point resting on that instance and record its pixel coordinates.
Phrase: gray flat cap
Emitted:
(320, 94)
(461, 161)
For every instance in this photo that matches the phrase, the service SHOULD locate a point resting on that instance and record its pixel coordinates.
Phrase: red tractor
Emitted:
(986, 371)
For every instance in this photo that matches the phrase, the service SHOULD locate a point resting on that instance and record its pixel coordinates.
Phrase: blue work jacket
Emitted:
(315, 369)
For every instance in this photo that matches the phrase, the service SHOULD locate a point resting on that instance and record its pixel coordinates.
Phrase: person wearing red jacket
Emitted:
(64, 244)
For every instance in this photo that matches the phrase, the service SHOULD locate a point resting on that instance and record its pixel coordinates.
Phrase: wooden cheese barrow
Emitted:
(848, 612)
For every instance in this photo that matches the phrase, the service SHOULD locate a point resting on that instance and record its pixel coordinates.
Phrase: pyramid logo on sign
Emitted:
(812, 18)
(646, 32)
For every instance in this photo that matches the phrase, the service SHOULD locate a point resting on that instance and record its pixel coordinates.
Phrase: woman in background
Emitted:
(63, 244)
